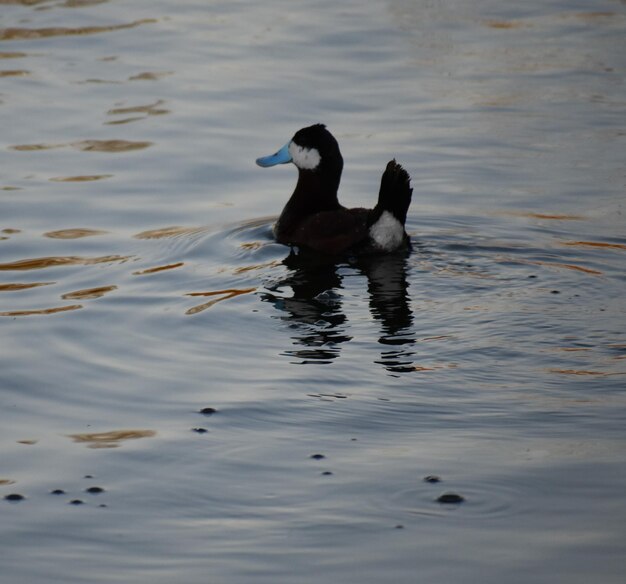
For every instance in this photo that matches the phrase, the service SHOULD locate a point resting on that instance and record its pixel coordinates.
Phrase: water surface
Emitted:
(139, 285)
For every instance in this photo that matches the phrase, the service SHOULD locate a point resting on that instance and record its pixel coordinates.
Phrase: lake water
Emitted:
(139, 285)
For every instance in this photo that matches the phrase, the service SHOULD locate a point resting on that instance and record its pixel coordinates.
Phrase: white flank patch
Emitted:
(387, 232)
(306, 158)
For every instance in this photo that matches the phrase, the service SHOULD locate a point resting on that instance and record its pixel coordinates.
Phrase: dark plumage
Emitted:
(313, 218)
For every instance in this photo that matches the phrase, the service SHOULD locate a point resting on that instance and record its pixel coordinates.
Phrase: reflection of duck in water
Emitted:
(313, 306)
(313, 217)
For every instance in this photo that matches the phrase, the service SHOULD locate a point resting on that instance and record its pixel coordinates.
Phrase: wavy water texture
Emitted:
(15, 287)
(152, 109)
(184, 398)
(88, 293)
(157, 269)
(112, 438)
(167, 232)
(112, 146)
(222, 294)
(592, 244)
(12, 55)
(56, 261)
(81, 178)
(42, 311)
(21, 34)
(76, 233)
(14, 73)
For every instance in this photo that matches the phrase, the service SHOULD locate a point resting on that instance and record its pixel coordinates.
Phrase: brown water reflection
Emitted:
(14, 73)
(88, 146)
(150, 75)
(223, 294)
(551, 216)
(151, 109)
(54, 261)
(12, 54)
(602, 244)
(578, 372)
(80, 3)
(111, 439)
(73, 233)
(25, 2)
(89, 293)
(124, 121)
(504, 24)
(157, 269)
(14, 287)
(35, 147)
(252, 267)
(567, 267)
(42, 311)
(110, 145)
(83, 178)
(168, 232)
(20, 34)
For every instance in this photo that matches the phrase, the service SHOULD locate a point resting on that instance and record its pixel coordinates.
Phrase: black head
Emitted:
(315, 149)
(312, 150)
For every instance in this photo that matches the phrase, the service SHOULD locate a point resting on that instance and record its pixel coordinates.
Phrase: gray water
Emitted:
(140, 284)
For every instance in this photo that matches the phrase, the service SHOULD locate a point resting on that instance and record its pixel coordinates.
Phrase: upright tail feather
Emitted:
(395, 192)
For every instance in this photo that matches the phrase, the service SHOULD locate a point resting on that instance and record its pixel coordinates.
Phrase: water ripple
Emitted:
(55, 261)
(487, 497)
(41, 311)
(111, 439)
(76, 233)
(20, 34)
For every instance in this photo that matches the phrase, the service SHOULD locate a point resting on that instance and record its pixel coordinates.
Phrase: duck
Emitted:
(313, 219)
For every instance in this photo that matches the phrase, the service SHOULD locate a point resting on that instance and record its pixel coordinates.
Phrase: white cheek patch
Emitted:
(305, 158)
(387, 232)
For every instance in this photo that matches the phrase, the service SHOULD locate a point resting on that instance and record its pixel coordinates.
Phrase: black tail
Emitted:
(395, 192)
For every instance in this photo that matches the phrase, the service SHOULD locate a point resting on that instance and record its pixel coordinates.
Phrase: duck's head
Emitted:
(312, 149)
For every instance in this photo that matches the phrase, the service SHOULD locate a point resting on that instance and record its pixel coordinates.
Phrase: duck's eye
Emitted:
(305, 158)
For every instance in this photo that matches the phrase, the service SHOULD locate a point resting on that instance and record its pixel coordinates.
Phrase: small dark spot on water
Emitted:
(102, 505)
(532, 276)
(94, 490)
(450, 499)
(432, 479)
(555, 291)
(200, 430)
(14, 497)
(88, 477)
(317, 456)
(327, 473)
(76, 502)
(399, 526)
(57, 492)
(207, 411)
